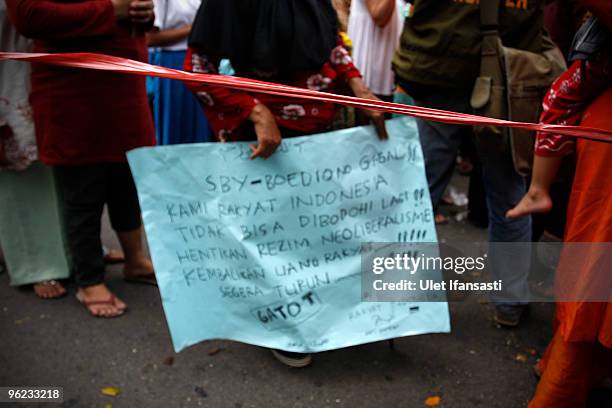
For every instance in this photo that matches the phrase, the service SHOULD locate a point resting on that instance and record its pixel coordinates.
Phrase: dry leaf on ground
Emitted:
(111, 391)
(521, 357)
(433, 401)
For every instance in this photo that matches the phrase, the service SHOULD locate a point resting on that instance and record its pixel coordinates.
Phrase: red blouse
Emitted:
(84, 116)
(227, 109)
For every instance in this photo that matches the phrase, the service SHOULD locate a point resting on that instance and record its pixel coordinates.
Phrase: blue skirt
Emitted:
(178, 116)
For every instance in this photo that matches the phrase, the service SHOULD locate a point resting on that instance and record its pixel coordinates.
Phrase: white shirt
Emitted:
(170, 14)
(373, 47)
(15, 111)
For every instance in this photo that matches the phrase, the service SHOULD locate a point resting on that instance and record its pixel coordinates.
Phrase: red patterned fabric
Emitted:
(227, 109)
(567, 98)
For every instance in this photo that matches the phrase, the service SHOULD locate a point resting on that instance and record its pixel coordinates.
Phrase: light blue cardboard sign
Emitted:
(267, 252)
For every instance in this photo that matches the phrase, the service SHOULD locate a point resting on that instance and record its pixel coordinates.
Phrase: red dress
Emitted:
(227, 110)
(84, 116)
(580, 353)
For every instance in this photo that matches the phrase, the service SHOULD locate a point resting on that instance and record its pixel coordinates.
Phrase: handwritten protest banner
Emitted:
(267, 252)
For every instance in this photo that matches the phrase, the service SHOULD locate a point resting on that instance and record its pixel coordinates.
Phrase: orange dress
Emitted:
(580, 353)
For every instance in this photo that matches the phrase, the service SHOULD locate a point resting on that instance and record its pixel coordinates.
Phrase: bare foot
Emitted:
(535, 201)
(440, 219)
(100, 301)
(50, 289)
(140, 271)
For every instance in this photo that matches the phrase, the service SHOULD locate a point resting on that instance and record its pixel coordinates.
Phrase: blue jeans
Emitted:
(503, 188)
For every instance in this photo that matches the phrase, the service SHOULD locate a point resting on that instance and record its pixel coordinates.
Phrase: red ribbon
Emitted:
(124, 65)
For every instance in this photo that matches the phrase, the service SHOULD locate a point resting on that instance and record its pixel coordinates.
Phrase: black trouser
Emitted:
(85, 189)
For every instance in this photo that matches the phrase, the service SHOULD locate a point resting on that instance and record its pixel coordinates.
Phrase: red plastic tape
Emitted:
(124, 65)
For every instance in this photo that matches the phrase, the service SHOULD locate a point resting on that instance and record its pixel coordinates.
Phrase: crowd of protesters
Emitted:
(64, 132)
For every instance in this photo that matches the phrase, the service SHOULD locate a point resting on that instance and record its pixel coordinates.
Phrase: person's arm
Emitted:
(381, 11)
(343, 8)
(267, 131)
(567, 98)
(361, 90)
(162, 38)
(342, 63)
(227, 109)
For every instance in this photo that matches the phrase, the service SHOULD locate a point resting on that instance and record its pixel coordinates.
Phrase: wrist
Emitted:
(120, 9)
(258, 113)
(186, 30)
(359, 87)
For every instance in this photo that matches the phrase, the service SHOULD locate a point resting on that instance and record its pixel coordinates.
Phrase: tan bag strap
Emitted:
(491, 69)
(490, 64)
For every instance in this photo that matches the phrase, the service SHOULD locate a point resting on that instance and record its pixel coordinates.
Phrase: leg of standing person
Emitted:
(504, 187)
(125, 218)
(31, 230)
(569, 370)
(478, 214)
(291, 359)
(177, 113)
(84, 193)
(440, 142)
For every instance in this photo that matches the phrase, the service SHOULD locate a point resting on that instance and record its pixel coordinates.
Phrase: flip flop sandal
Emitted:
(112, 256)
(51, 282)
(109, 302)
(142, 280)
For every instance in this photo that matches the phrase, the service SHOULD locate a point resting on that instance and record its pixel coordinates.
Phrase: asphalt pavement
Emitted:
(58, 343)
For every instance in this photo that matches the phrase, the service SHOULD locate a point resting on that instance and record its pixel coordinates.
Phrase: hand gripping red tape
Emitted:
(123, 65)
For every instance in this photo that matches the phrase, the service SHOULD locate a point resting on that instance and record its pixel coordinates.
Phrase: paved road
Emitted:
(57, 343)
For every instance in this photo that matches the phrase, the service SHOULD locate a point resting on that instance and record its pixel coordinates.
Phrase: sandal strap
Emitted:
(109, 301)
